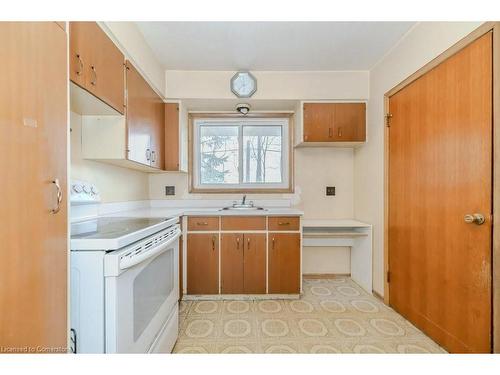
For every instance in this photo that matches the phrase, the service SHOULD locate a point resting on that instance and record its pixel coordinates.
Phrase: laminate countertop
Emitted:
(169, 212)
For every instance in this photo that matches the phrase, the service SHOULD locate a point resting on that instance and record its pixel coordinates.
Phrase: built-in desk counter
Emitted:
(344, 232)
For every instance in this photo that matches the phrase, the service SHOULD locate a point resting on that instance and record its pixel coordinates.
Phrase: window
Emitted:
(237, 153)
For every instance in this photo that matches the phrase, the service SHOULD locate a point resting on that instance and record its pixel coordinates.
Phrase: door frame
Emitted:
(474, 35)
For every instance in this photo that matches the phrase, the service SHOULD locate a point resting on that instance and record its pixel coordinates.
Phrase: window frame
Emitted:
(284, 120)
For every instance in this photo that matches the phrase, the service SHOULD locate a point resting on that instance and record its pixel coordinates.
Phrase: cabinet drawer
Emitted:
(243, 223)
(277, 223)
(203, 223)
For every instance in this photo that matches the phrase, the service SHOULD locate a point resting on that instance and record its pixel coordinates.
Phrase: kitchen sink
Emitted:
(243, 207)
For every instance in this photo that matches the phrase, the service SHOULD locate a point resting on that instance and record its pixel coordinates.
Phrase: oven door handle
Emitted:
(127, 262)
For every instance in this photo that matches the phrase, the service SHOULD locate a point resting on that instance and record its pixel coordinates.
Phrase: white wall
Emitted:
(421, 44)
(116, 184)
(130, 40)
(270, 85)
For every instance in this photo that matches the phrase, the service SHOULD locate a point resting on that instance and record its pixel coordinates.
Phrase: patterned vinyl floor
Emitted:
(332, 316)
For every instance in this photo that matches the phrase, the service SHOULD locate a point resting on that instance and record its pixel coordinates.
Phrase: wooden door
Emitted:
(172, 137)
(138, 117)
(202, 263)
(254, 263)
(318, 122)
(284, 263)
(33, 140)
(232, 263)
(349, 122)
(440, 169)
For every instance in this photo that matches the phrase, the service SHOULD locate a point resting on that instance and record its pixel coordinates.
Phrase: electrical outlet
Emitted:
(169, 190)
(330, 190)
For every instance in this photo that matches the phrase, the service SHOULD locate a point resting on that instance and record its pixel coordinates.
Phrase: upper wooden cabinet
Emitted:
(96, 64)
(145, 121)
(333, 123)
(176, 137)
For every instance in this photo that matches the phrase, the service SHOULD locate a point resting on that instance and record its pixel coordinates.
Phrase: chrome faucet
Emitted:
(244, 199)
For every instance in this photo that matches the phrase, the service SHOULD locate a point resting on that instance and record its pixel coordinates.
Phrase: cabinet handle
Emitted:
(201, 223)
(283, 223)
(213, 243)
(339, 133)
(80, 65)
(59, 196)
(248, 243)
(237, 242)
(272, 244)
(330, 132)
(148, 154)
(94, 74)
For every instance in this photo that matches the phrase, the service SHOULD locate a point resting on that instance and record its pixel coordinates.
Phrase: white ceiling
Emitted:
(306, 46)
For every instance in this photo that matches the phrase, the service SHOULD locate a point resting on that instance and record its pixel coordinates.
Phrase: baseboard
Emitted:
(324, 275)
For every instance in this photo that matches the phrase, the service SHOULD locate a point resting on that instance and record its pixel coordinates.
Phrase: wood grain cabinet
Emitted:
(145, 121)
(333, 123)
(284, 263)
(243, 263)
(203, 263)
(34, 209)
(96, 64)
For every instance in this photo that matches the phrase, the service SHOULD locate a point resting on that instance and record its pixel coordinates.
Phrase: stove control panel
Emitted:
(84, 192)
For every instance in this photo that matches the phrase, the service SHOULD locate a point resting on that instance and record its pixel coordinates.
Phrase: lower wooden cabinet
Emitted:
(284, 263)
(202, 263)
(243, 263)
(254, 263)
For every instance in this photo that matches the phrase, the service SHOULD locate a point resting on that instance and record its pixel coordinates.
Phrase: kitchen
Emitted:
(247, 201)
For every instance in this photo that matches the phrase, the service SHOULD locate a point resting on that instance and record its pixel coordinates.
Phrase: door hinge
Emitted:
(388, 277)
(388, 120)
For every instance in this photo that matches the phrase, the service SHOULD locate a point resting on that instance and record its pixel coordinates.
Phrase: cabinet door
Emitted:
(318, 122)
(33, 140)
(138, 117)
(157, 132)
(202, 263)
(254, 263)
(232, 263)
(80, 46)
(284, 263)
(107, 75)
(172, 139)
(349, 122)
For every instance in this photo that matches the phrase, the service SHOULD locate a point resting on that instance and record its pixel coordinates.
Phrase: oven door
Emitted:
(140, 299)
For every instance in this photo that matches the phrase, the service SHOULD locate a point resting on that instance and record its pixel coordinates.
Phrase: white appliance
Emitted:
(124, 285)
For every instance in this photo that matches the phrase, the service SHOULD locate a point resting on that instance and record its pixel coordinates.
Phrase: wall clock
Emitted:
(243, 84)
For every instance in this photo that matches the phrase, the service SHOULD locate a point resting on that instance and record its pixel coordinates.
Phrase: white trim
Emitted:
(285, 147)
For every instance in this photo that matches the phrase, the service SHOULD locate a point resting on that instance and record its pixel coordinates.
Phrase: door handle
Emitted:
(248, 243)
(80, 65)
(477, 219)
(59, 196)
(93, 82)
(213, 243)
(272, 244)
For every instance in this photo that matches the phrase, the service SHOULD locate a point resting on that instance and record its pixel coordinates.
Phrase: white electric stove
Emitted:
(124, 283)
